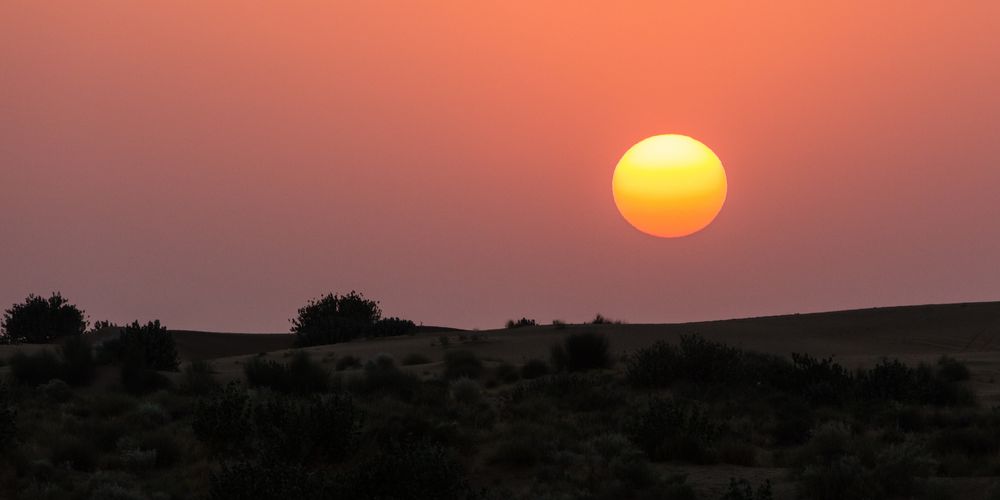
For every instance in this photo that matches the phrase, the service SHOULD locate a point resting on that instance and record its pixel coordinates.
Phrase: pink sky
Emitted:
(216, 164)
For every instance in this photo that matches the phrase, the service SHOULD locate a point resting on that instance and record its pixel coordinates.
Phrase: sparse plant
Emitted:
(415, 359)
(198, 378)
(667, 429)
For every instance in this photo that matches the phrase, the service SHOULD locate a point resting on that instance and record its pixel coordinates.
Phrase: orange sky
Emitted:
(215, 164)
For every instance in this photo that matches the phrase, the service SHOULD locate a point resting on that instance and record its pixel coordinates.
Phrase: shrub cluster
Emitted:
(74, 364)
(582, 352)
(38, 320)
(703, 364)
(339, 318)
(520, 323)
(300, 376)
(669, 429)
(297, 429)
(458, 364)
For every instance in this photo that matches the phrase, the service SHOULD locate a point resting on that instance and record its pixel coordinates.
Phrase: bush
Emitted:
(534, 368)
(35, 368)
(742, 490)
(584, 351)
(384, 377)
(150, 346)
(79, 367)
(393, 327)
(466, 391)
(198, 378)
(57, 390)
(137, 378)
(459, 364)
(415, 359)
(521, 323)
(507, 373)
(38, 320)
(300, 376)
(667, 429)
(952, 370)
(599, 319)
(348, 363)
(74, 452)
(8, 419)
(336, 318)
(417, 472)
(222, 420)
(263, 480)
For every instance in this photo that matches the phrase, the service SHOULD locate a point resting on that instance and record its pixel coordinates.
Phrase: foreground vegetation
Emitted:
(578, 425)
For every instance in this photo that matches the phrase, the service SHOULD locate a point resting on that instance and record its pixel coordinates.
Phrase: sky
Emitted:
(216, 164)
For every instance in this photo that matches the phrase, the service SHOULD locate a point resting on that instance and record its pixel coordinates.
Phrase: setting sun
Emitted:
(669, 186)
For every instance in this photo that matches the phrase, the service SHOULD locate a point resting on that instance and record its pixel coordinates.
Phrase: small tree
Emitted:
(38, 320)
(336, 318)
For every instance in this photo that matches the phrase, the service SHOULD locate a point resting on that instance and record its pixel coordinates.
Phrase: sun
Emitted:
(669, 186)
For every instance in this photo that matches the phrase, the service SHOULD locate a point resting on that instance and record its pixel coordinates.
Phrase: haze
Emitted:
(216, 164)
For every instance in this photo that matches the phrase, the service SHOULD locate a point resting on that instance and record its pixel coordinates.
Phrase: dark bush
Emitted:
(534, 368)
(198, 378)
(75, 452)
(507, 373)
(149, 345)
(222, 420)
(521, 323)
(742, 490)
(459, 364)
(320, 428)
(38, 320)
(584, 351)
(266, 479)
(79, 367)
(336, 318)
(952, 370)
(416, 472)
(35, 368)
(393, 327)
(8, 419)
(599, 319)
(57, 390)
(382, 376)
(137, 378)
(666, 429)
(348, 363)
(300, 376)
(415, 359)
(168, 451)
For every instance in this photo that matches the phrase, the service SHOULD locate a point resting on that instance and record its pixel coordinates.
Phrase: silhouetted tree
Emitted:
(38, 320)
(336, 318)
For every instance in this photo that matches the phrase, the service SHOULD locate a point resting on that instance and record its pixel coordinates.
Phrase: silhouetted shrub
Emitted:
(57, 390)
(149, 345)
(466, 391)
(300, 376)
(559, 324)
(415, 359)
(393, 327)
(348, 363)
(320, 428)
(137, 378)
(459, 364)
(952, 370)
(336, 318)
(35, 368)
(534, 368)
(599, 319)
(197, 378)
(38, 320)
(79, 367)
(742, 490)
(667, 429)
(382, 376)
(523, 322)
(417, 472)
(264, 479)
(582, 352)
(222, 420)
(74, 452)
(507, 373)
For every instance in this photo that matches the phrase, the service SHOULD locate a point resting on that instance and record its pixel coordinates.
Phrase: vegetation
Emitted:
(38, 320)
(337, 318)
(289, 428)
(520, 323)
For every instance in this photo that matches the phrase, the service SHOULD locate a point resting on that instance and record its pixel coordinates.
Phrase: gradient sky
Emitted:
(216, 164)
